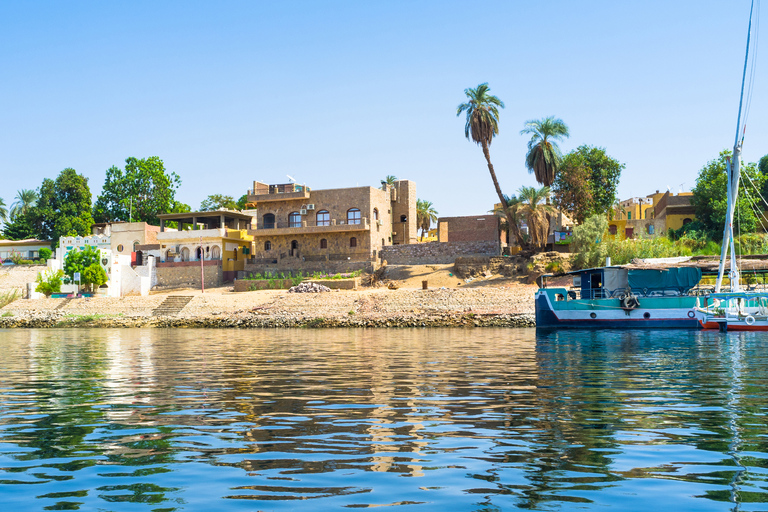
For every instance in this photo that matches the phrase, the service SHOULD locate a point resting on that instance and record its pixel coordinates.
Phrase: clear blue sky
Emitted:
(338, 94)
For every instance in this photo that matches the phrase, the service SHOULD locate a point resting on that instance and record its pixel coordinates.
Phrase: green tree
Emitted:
(63, 207)
(139, 193)
(481, 126)
(242, 202)
(544, 156)
(425, 215)
(511, 211)
(533, 208)
(26, 199)
(710, 202)
(588, 242)
(84, 262)
(763, 165)
(20, 227)
(390, 180)
(217, 202)
(587, 182)
(3, 211)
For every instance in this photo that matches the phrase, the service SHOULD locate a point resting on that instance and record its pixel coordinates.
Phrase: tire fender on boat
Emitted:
(691, 314)
(749, 320)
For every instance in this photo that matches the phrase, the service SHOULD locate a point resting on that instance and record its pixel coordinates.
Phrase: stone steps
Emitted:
(172, 305)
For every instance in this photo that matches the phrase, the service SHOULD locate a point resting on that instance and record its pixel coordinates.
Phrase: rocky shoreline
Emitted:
(510, 306)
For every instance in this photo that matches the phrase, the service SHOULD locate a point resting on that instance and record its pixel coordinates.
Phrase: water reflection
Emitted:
(418, 419)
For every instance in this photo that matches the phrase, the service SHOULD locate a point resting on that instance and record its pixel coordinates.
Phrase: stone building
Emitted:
(127, 237)
(474, 228)
(298, 224)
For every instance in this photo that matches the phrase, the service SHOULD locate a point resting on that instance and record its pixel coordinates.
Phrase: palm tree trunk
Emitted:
(504, 204)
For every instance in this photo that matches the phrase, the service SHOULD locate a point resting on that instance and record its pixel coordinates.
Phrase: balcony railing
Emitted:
(329, 225)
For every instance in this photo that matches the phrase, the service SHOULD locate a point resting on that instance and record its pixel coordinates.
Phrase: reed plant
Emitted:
(9, 296)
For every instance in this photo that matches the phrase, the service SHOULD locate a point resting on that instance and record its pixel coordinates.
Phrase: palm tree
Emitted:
(482, 125)
(3, 211)
(390, 180)
(544, 155)
(511, 211)
(536, 212)
(425, 215)
(25, 201)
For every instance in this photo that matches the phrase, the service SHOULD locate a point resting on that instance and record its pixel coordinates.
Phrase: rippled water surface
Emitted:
(477, 419)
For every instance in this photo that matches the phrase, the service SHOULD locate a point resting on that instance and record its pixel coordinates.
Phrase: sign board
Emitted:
(563, 237)
(77, 276)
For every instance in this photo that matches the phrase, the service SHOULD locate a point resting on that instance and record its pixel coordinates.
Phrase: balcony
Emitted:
(308, 227)
(284, 192)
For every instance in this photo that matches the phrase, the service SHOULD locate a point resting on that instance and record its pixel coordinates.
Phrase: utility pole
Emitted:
(202, 267)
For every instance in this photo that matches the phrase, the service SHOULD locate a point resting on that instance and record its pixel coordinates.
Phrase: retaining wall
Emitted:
(437, 252)
(188, 276)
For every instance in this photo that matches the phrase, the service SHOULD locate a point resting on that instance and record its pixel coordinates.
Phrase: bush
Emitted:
(49, 282)
(587, 242)
(8, 297)
(45, 253)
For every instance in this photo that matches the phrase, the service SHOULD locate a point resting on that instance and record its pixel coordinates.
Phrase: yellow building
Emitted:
(654, 214)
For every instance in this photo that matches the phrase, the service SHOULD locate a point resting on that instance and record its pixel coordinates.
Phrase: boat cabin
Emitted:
(608, 282)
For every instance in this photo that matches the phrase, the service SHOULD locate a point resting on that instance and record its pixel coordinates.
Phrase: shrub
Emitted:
(45, 253)
(49, 282)
(8, 297)
(587, 238)
(94, 276)
(554, 267)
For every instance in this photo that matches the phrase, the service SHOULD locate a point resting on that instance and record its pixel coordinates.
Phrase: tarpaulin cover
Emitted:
(680, 278)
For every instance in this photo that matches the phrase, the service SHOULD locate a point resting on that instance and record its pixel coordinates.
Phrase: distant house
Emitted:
(652, 215)
(472, 228)
(27, 249)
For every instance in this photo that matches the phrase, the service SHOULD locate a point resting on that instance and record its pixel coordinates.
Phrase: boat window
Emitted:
(559, 297)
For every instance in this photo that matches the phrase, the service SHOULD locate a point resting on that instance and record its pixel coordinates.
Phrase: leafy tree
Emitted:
(242, 202)
(218, 201)
(84, 262)
(586, 183)
(481, 126)
(588, 242)
(544, 156)
(26, 199)
(763, 165)
(3, 211)
(533, 208)
(20, 227)
(710, 201)
(139, 193)
(63, 207)
(49, 282)
(425, 215)
(45, 253)
(390, 180)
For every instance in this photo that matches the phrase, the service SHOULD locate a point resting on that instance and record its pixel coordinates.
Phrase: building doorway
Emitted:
(295, 248)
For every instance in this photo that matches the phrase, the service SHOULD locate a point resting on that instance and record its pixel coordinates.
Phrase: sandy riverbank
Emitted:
(449, 301)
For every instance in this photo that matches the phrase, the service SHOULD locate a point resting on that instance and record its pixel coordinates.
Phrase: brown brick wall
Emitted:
(476, 228)
(188, 276)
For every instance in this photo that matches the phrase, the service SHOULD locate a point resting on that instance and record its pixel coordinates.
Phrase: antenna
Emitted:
(291, 178)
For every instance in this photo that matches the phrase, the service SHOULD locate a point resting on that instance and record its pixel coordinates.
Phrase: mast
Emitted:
(733, 174)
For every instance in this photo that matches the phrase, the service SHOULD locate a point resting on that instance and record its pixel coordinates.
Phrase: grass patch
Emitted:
(71, 320)
(315, 322)
(7, 314)
(8, 297)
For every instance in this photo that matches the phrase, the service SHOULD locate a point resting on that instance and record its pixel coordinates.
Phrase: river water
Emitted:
(430, 419)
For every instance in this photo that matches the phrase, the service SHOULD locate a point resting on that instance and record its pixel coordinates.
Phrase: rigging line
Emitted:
(756, 206)
(744, 74)
(753, 205)
(752, 71)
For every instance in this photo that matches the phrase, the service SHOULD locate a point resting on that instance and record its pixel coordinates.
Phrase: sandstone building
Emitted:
(296, 223)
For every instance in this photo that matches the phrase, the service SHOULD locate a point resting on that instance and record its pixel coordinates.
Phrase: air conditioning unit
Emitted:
(303, 211)
(341, 222)
(310, 207)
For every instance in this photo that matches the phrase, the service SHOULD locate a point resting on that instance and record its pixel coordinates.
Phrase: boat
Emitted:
(736, 309)
(622, 297)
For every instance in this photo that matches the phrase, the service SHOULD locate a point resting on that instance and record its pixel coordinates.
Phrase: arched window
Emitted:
(375, 214)
(323, 243)
(185, 254)
(612, 229)
(267, 245)
(294, 220)
(135, 244)
(687, 221)
(168, 255)
(216, 253)
(323, 218)
(198, 254)
(353, 242)
(353, 216)
(403, 218)
(269, 221)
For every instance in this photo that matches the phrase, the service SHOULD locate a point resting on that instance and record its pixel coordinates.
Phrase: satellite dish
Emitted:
(291, 178)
